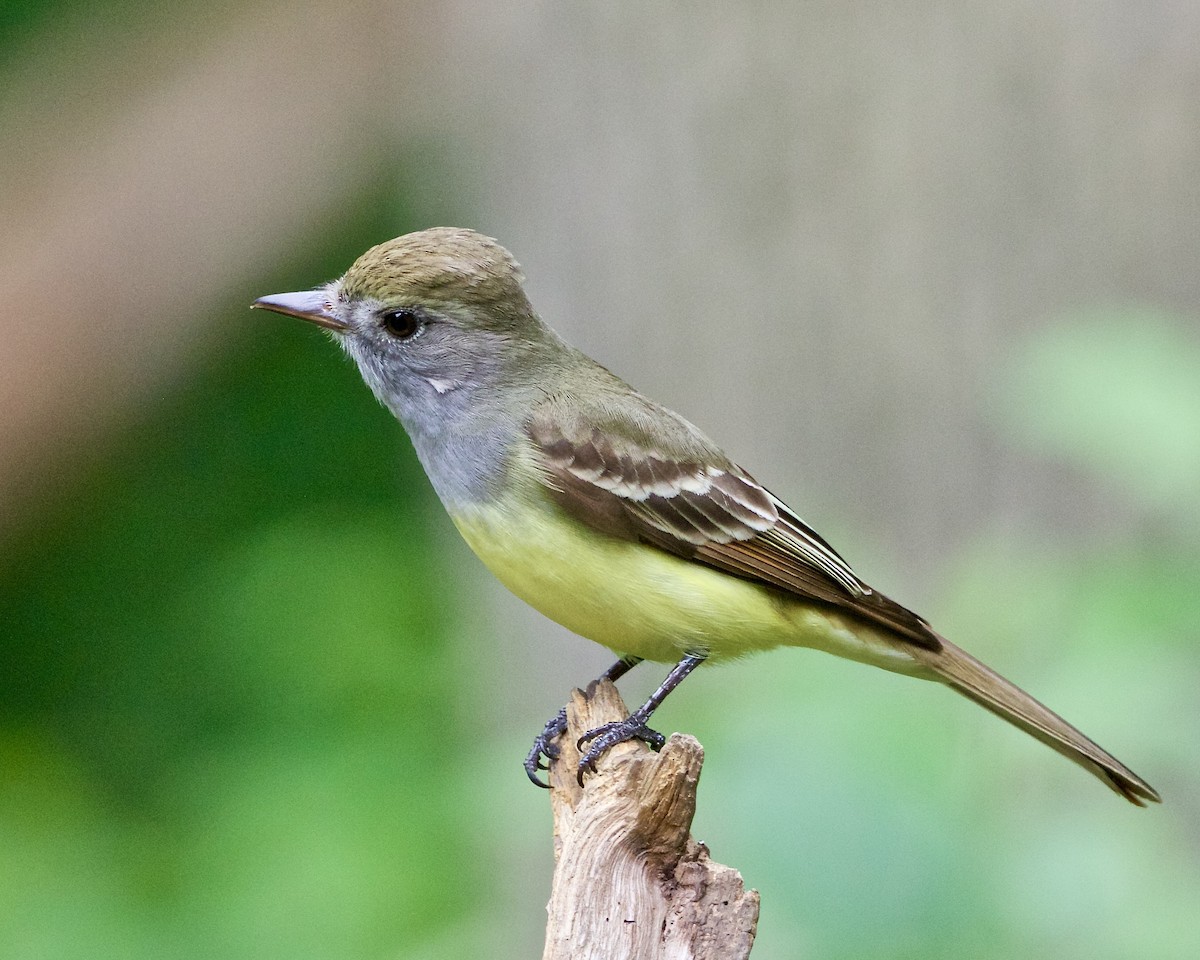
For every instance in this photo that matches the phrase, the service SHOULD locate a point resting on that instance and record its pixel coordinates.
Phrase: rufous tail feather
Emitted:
(972, 679)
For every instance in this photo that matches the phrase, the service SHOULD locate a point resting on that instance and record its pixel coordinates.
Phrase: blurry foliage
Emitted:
(861, 831)
(224, 672)
(26, 21)
(1117, 393)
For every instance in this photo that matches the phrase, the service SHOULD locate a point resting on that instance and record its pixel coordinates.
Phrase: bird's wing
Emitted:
(634, 469)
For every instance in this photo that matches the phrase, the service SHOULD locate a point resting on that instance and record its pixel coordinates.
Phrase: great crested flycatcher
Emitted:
(607, 512)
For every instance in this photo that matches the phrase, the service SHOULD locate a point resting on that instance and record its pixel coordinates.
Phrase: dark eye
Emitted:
(401, 324)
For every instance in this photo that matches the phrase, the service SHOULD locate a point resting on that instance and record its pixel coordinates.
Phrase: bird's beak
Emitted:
(311, 305)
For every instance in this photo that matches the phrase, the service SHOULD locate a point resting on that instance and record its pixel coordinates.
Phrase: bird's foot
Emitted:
(544, 746)
(605, 737)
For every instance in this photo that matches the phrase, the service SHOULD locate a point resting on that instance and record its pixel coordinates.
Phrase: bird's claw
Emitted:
(605, 737)
(544, 746)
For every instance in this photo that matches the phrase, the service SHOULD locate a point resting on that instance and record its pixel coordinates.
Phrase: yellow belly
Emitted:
(636, 599)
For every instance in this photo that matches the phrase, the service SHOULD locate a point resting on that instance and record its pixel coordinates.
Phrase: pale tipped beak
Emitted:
(311, 305)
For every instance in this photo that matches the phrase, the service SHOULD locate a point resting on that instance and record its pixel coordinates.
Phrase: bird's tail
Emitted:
(972, 679)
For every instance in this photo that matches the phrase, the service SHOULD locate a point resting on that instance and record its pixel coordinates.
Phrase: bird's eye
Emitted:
(401, 324)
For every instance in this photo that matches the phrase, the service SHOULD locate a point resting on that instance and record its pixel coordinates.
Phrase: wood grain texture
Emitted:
(629, 879)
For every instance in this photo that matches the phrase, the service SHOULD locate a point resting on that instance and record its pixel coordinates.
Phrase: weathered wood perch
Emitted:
(629, 879)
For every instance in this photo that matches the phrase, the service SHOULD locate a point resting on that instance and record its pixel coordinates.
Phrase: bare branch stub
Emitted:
(629, 879)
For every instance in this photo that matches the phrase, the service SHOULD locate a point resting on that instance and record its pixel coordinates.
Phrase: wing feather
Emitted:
(696, 503)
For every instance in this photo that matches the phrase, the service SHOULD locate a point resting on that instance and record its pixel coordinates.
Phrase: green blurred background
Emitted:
(256, 700)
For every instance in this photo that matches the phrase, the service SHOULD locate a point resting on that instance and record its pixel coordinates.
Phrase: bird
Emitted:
(609, 513)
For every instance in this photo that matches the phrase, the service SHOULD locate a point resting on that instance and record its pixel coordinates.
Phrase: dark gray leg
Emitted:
(543, 743)
(634, 726)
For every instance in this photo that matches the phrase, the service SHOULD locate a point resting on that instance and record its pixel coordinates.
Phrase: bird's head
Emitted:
(431, 318)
